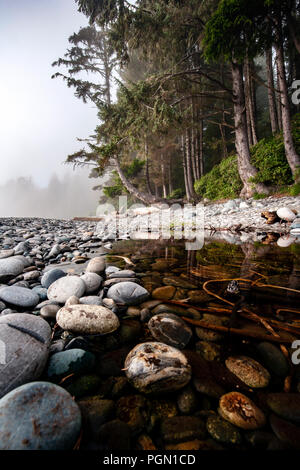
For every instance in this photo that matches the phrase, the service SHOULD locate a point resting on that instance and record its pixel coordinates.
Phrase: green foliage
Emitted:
(257, 196)
(221, 182)
(295, 190)
(268, 156)
(176, 194)
(235, 27)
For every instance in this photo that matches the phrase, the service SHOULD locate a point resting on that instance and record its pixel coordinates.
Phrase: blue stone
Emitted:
(19, 296)
(41, 292)
(128, 293)
(39, 416)
(72, 361)
(51, 276)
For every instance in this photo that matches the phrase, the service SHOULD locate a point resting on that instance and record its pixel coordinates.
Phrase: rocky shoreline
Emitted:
(94, 354)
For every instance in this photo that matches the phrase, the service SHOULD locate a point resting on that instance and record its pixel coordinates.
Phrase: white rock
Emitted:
(286, 214)
(87, 319)
(92, 282)
(285, 241)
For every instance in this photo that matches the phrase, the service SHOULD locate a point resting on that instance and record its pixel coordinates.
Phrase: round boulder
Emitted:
(39, 416)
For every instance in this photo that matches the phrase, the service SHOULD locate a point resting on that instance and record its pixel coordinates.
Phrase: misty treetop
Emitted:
(180, 86)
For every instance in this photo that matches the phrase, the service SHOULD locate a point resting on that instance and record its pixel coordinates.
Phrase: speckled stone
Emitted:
(249, 371)
(241, 411)
(157, 368)
(87, 319)
(223, 431)
(39, 416)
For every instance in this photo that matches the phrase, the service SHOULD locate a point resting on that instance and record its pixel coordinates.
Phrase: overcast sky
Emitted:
(40, 118)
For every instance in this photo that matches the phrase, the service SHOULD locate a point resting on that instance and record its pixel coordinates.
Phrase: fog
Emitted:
(40, 118)
(68, 195)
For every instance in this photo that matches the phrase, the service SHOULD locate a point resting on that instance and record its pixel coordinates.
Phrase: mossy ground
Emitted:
(268, 156)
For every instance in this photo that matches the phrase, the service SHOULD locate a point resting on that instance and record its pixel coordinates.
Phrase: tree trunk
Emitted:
(183, 151)
(250, 104)
(149, 189)
(290, 151)
(246, 169)
(190, 180)
(271, 93)
(170, 176)
(163, 176)
(144, 197)
(278, 100)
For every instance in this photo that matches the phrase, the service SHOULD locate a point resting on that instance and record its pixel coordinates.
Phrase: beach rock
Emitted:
(249, 371)
(95, 411)
(156, 368)
(84, 386)
(240, 411)
(285, 405)
(73, 300)
(10, 268)
(285, 431)
(73, 361)
(39, 416)
(164, 293)
(96, 265)
(187, 401)
(19, 297)
(285, 213)
(87, 319)
(63, 288)
(119, 274)
(92, 282)
(127, 293)
(273, 359)
(25, 341)
(49, 311)
(209, 335)
(223, 431)
(170, 329)
(286, 241)
(182, 428)
(51, 276)
(111, 269)
(90, 300)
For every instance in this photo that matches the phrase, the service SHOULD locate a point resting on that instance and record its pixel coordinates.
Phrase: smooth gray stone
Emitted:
(111, 269)
(51, 276)
(66, 287)
(10, 268)
(24, 342)
(39, 416)
(19, 296)
(91, 300)
(121, 274)
(128, 293)
(111, 282)
(92, 282)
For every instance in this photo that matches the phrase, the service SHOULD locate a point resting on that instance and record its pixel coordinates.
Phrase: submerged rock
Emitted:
(156, 368)
(249, 371)
(241, 411)
(73, 361)
(170, 329)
